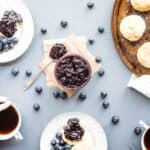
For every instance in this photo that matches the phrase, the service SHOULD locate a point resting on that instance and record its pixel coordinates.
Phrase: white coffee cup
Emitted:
(146, 127)
(15, 133)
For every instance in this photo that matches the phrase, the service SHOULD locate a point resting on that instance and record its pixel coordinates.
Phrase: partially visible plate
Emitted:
(27, 32)
(100, 141)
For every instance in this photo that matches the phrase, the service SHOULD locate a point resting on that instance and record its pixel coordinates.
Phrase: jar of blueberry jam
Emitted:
(73, 72)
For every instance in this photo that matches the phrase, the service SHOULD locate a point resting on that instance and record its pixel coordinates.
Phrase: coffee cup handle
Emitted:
(18, 136)
(143, 124)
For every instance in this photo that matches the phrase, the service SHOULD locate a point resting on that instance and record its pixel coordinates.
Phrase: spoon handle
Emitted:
(31, 82)
(143, 124)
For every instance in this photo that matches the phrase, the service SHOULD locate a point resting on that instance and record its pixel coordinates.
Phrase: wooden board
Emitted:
(126, 49)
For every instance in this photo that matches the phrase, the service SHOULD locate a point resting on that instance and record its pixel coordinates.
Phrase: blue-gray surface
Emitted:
(129, 105)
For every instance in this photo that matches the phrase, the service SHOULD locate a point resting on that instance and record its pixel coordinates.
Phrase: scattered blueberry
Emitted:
(63, 95)
(98, 59)
(1, 46)
(115, 120)
(90, 5)
(103, 95)
(43, 30)
(14, 40)
(100, 30)
(137, 130)
(53, 142)
(105, 104)
(36, 107)
(101, 72)
(67, 147)
(63, 24)
(28, 73)
(38, 89)
(58, 135)
(7, 43)
(91, 41)
(4, 40)
(15, 71)
(56, 94)
(6, 47)
(61, 143)
(57, 147)
(82, 96)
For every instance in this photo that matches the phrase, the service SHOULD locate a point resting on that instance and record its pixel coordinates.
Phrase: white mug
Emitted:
(15, 133)
(146, 127)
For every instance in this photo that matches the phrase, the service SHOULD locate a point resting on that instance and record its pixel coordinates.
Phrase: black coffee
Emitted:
(8, 120)
(147, 140)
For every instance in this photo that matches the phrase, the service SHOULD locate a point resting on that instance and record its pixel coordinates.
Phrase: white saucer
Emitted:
(100, 141)
(27, 33)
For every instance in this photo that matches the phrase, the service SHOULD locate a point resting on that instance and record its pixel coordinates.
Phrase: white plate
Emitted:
(27, 32)
(55, 124)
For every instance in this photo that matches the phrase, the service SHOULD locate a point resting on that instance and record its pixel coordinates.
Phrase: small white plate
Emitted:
(27, 32)
(99, 137)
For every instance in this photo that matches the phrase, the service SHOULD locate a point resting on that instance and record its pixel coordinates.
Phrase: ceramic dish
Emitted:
(98, 134)
(27, 31)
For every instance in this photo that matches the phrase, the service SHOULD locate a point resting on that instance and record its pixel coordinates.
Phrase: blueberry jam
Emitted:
(7, 29)
(57, 51)
(73, 130)
(73, 71)
(12, 16)
(8, 23)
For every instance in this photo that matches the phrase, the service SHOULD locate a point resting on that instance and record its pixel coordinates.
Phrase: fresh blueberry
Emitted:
(6, 47)
(63, 95)
(90, 5)
(58, 135)
(103, 95)
(101, 72)
(100, 30)
(67, 147)
(1, 46)
(4, 41)
(82, 96)
(14, 40)
(137, 130)
(57, 147)
(38, 89)
(91, 41)
(43, 30)
(10, 46)
(115, 120)
(53, 142)
(63, 24)
(15, 71)
(98, 59)
(36, 107)
(61, 143)
(105, 104)
(56, 94)
(28, 73)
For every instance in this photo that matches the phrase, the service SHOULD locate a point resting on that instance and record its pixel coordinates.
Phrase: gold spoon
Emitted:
(29, 83)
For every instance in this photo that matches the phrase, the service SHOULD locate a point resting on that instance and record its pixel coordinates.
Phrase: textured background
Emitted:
(129, 105)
